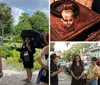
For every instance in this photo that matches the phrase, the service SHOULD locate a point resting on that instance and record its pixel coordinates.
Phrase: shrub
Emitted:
(13, 58)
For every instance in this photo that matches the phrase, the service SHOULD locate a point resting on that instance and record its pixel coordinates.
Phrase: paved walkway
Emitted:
(12, 77)
(15, 78)
(64, 79)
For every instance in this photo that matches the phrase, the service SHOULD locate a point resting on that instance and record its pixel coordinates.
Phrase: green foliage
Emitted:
(24, 23)
(24, 17)
(36, 64)
(5, 51)
(14, 61)
(74, 50)
(6, 19)
(38, 21)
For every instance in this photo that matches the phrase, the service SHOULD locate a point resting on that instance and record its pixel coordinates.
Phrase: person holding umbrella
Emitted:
(26, 54)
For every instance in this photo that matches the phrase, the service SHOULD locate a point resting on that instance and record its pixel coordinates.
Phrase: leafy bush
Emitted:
(5, 51)
(14, 61)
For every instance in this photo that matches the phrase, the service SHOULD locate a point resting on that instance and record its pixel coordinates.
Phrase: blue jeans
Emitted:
(94, 82)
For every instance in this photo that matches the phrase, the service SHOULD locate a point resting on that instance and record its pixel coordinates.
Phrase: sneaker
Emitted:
(28, 82)
(25, 80)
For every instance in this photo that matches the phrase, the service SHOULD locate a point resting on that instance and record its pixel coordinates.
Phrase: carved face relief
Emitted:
(67, 17)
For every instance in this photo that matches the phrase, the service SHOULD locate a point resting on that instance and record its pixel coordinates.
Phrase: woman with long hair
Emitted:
(44, 78)
(77, 69)
(54, 69)
(27, 50)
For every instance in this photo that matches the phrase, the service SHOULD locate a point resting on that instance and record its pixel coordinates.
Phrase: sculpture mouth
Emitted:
(72, 5)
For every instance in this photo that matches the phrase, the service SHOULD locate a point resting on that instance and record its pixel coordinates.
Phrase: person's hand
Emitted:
(79, 77)
(64, 67)
(29, 48)
(76, 78)
(89, 80)
(60, 69)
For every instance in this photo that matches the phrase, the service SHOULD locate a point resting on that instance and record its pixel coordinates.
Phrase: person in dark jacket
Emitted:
(54, 69)
(26, 54)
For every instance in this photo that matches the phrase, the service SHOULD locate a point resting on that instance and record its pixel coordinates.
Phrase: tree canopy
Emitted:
(38, 21)
(73, 50)
(6, 19)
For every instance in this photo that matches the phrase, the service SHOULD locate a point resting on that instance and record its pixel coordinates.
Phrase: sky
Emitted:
(61, 46)
(29, 6)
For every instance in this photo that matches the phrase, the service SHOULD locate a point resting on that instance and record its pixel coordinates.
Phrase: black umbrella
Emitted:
(37, 37)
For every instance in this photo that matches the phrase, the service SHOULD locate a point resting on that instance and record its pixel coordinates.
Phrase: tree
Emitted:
(52, 46)
(40, 21)
(6, 19)
(73, 50)
(24, 17)
(24, 23)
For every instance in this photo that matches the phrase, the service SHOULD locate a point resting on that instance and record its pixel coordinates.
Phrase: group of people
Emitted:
(91, 77)
(27, 52)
